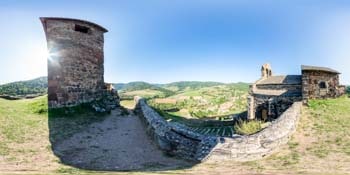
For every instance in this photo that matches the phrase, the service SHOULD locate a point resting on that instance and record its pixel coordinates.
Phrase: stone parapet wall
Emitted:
(261, 144)
(174, 139)
(178, 140)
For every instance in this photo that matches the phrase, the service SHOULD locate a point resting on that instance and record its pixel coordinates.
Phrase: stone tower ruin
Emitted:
(75, 64)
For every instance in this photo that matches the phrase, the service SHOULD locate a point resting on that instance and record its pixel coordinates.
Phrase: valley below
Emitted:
(192, 100)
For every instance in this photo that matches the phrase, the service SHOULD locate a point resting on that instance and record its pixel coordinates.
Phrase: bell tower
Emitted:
(266, 70)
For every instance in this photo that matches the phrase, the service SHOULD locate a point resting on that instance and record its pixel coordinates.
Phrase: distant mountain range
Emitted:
(174, 86)
(148, 90)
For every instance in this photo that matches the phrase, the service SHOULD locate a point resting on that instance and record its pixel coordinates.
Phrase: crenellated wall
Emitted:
(178, 140)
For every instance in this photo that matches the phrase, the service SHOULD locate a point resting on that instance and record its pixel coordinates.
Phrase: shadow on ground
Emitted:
(114, 142)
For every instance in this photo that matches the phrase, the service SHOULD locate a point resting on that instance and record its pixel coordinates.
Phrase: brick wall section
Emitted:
(75, 66)
(178, 140)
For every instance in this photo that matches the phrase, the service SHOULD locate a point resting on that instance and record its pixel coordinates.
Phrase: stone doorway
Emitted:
(264, 114)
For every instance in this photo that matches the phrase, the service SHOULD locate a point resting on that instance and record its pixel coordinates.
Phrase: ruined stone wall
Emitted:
(176, 140)
(75, 66)
(274, 105)
(341, 90)
(269, 106)
(180, 141)
(261, 144)
(311, 85)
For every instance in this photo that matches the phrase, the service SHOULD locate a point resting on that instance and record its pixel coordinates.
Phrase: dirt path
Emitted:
(117, 143)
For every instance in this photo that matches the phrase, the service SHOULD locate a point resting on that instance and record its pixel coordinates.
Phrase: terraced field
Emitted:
(207, 102)
(224, 131)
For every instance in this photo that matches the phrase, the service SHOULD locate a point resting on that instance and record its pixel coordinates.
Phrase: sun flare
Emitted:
(36, 60)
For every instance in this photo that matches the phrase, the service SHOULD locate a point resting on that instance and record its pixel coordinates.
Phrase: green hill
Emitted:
(190, 99)
(137, 85)
(204, 102)
(189, 85)
(23, 88)
(179, 86)
(139, 88)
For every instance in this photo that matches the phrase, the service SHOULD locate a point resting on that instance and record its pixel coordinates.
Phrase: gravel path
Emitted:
(117, 143)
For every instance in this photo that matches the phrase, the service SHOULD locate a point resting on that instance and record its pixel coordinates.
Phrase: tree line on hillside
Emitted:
(39, 86)
(23, 88)
(138, 86)
(183, 85)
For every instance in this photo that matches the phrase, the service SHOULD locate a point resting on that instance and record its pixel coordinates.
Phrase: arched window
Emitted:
(323, 85)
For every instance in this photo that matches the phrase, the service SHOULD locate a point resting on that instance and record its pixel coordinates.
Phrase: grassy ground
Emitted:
(129, 104)
(320, 145)
(24, 136)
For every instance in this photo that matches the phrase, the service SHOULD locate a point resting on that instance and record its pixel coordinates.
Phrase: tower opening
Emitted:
(81, 29)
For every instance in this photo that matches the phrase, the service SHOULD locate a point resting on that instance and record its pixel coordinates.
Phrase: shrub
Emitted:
(198, 114)
(247, 127)
(315, 104)
(39, 105)
(78, 110)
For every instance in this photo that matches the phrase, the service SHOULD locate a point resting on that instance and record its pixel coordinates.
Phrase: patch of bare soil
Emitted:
(117, 143)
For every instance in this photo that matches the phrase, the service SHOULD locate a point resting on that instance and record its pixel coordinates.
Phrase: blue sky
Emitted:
(166, 41)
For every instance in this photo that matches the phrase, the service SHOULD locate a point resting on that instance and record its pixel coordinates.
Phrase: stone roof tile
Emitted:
(281, 79)
(315, 68)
